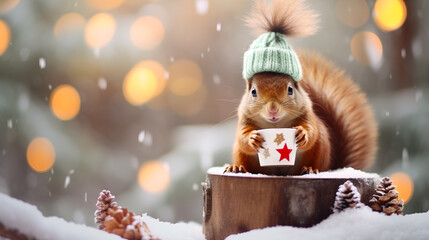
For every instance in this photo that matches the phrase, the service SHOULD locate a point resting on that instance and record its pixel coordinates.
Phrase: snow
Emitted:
(102, 83)
(18, 215)
(42, 63)
(361, 223)
(218, 27)
(339, 173)
(173, 231)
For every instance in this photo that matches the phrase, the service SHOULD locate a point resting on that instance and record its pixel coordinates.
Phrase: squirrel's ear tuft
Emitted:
(292, 18)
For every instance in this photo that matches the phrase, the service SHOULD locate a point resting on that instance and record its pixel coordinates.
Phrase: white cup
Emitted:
(279, 147)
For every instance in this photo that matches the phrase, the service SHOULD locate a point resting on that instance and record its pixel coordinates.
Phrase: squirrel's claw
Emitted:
(301, 136)
(256, 141)
(234, 169)
(309, 170)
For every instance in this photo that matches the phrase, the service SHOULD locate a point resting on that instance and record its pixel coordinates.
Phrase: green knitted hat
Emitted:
(270, 52)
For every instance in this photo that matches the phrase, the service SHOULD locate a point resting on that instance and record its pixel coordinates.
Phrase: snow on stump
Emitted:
(236, 203)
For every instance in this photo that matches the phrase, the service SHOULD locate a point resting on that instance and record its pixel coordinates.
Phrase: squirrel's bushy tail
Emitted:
(292, 18)
(345, 110)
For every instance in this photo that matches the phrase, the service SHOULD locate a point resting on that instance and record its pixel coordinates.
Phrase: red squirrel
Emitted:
(335, 124)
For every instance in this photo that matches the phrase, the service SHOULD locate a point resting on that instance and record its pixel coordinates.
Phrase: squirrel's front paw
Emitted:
(256, 140)
(301, 136)
(234, 169)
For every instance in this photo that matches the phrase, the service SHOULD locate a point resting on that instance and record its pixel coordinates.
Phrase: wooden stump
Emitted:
(236, 204)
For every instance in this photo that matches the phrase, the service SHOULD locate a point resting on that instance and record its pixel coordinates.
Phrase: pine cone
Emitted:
(117, 220)
(105, 201)
(347, 197)
(120, 222)
(385, 199)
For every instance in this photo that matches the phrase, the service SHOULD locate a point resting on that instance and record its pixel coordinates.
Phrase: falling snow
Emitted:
(86, 197)
(405, 159)
(216, 79)
(67, 182)
(145, 138)
(50, 86)
(102, 83)
(171, 59)
(195, 187)
(403, 53)
(42, 63)
(218, 27)
(10, 123)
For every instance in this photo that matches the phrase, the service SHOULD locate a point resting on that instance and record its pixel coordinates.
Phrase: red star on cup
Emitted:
(284, 152)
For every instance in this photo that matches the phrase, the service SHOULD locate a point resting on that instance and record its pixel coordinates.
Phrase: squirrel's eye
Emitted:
(254, 94)
(290, 90)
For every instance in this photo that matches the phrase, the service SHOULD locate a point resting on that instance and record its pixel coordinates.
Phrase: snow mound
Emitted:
(27, 219)
(360, 223)
(345, 173)
(172, 231)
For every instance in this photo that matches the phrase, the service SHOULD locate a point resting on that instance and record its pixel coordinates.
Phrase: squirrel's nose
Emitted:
(273, 111)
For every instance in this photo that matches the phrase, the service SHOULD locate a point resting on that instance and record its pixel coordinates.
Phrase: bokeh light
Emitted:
(154, 177)
(100, 30)
(70, 22)
(353, 13)
(389, 15)
(7, 5)
(40, 154)
(147, 32)
(65, 102)
(158, 70)
(140, 85)
(104, 4)
(4, 36)
(404, 185)
(366, 48)
(185, 77)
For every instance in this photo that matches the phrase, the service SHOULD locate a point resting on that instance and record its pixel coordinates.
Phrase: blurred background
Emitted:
(140, 97)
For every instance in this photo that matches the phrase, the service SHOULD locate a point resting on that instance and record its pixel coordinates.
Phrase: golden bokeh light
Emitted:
(185, 77)
(40, 154)
(366, 48)
(7, 5)
(65, 102)
(353, 13)
(147, 32)
(140, 86)
(404, 185)
(100, 30)
(154, 177)
(158, 70)
(389, 15)
(70, 22)
(104, 4)
(4, 36)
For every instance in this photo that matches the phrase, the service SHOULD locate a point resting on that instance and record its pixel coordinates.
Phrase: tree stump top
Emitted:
(235, 203)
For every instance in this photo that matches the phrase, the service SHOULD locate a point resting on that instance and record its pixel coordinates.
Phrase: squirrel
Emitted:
(335, 125)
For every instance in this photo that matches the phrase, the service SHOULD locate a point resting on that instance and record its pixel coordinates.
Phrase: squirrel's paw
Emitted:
(234, 169)
(256, 140)
(309, 170)
(301, 136)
